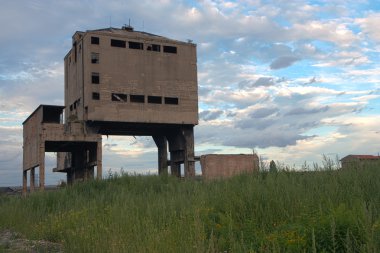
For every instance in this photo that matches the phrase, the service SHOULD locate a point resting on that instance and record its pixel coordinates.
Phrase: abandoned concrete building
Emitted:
(123, 82)
(117, 82)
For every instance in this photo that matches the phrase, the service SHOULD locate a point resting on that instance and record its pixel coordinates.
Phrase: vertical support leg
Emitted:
(175, 164)
(189, 163)
(32, 179)
(162, 145)
(24, 182)
(42, 167)
(99, 160)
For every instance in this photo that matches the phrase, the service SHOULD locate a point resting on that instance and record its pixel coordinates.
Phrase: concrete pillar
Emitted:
(24, 182)
(189, 161)
(32, 179)
(175, 163)
(99, 160)
(42, 167)
(162, 145)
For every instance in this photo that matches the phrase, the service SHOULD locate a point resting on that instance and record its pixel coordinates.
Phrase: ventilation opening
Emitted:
(137, 99)
(154, 47)
(119, 97)
(94, 58)
(154, 100)
(170, 49)
(135, 45)
(95, 79)
(95, 96)
(118, 43)
(95, 40)
(171, 101)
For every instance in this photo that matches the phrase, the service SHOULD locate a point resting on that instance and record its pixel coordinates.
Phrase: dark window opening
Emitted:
(170, 49)
(135, 45)
(95, 78)
(154, 47)
(94, 58)
(154, 100)
(75, 51)
(95, 40)
(119, 97)
(71, 108)
(52, 114)
(95, 96)
(171, 101)
(75, 105)
(137, 99)
(118, 43)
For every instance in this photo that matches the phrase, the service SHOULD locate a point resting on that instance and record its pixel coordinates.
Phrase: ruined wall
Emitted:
(224, 166)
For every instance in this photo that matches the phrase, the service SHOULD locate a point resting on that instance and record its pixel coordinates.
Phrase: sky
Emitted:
(290, 80)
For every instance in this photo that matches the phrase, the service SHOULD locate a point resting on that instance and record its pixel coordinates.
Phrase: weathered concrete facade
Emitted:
(119, 82)
(224, 166)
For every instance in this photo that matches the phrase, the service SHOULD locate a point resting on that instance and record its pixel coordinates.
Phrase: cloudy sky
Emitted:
(290, 79)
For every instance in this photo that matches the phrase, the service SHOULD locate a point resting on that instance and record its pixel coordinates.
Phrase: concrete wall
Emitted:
(131, 72)
(224, 166)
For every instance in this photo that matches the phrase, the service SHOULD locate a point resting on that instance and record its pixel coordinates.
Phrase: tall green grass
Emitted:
(287, 211)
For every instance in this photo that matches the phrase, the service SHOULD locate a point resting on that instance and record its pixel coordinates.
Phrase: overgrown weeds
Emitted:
(287, 211)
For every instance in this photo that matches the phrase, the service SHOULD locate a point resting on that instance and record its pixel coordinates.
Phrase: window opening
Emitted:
(95, 96)
(94, 58)
(95, 78)
(170, 49)
(154, 47)
(118, 43)
(135, 45)
(119, 97)
(95, 40)
(171, 101)
(137, 99)
(154, 100)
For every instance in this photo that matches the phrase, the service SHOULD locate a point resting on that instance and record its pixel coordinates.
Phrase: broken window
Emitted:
(94, 58)
(137, 99)
(170, 49)
(171, 101)
(119, 97)
(95, 40)
(154, 47)
(118, 43)
(95, 96)
(95, 78)
(135, 45)
(154, 100)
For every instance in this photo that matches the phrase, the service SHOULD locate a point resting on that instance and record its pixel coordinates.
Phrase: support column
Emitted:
(42, 167)
(175, 163)
(189, 161)
(32, 179)
(24, 182)
(162, 145)
(99, 160)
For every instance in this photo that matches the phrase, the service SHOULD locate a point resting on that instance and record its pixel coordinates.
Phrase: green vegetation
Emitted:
(283, 211)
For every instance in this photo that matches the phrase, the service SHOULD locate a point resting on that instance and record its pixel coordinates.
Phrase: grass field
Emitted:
(287, 211)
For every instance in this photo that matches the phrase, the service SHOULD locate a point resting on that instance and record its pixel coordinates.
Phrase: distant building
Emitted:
(223, 166)
(357, 161)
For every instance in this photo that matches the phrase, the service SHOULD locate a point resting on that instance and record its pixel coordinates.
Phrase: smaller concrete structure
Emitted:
(223, 166)
(357, 161)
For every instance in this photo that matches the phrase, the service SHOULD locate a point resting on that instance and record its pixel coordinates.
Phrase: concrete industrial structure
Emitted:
(123, 82)
(117, 82)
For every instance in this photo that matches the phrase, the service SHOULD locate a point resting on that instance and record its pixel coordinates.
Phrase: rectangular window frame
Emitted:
(135, 45)
(119, 97)
(154, 100)
(94, 58)
(137, 99)
(171, 101)
(95, 40)
(118, 43)
(95, 78)
(95, 96)
(170, 49)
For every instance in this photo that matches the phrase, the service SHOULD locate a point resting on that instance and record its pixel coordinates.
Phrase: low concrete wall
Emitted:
(224, 166)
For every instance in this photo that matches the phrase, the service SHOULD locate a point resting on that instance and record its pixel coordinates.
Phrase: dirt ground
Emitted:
(15, 242)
